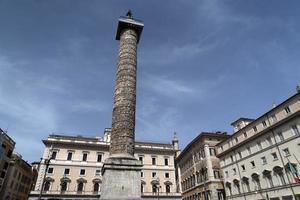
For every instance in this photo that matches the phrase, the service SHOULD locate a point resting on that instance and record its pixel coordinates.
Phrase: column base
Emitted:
(121, 179)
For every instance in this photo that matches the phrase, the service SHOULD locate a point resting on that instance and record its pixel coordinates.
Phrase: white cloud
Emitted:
(89, 106)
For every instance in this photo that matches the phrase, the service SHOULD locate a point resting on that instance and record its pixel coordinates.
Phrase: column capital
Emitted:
(129, 23)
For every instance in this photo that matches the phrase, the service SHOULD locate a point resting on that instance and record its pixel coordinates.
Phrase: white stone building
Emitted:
(74, 170)
(261, 158)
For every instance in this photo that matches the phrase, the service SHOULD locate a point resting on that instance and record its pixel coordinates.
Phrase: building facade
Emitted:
(261, 158)
(6, 149)
(75, 164)
(17, 184)
(199, 169)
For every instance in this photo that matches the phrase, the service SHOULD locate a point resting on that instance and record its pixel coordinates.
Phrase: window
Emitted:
(64, 186)
(245, 135)
(226, 174)
(252, 164)
(82, 172)
(254, 129)
(84, 157)
(168, 189)
(264, 123)
(167, 175)
(231, 158)
(9, 153)
(287, 110)
(50, 170)
(99, 158)
(274, 156)
(295, 130)
(141, 159)
(153, 174)
(281, 138)
(47, 186)
(234, 171)
(243, 167)
(5, 166)
(67, 171)
(240, 155)
(153, 161)
(154, 188)
(212, 151)
(274, 118)
(259, 146)
(286, 152)
(166, 161)
(53, 155)
(80, 187)
(264, 160)
(236, 140)
(96, 187)
(98, 172)
(142, 174)
(69, 156)
(2, 174)
(216, 174)
(269, 140)
(249, 150)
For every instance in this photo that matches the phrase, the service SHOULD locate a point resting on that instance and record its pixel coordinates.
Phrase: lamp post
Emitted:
(46, 163)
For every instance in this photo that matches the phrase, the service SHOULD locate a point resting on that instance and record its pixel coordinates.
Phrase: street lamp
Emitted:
(47, 163)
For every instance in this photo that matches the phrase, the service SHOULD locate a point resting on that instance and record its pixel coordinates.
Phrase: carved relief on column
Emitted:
(123, 121)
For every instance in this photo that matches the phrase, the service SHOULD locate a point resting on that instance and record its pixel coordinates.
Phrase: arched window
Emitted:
(80, 187)
(96, 187)
(64, 186)
(47, 186)
(154, 188)
(168, 190)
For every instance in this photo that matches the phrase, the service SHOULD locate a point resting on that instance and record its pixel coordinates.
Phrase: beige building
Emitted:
(6, 149)
(17, 184)
(74, 170)
(261, 158)
(199, 168)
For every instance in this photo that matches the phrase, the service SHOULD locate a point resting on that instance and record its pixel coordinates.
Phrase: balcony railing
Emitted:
(56, 192)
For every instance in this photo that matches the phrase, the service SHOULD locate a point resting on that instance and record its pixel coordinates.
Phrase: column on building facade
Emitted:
(210, 172)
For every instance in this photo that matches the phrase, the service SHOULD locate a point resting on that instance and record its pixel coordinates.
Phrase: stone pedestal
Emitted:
(121, 179)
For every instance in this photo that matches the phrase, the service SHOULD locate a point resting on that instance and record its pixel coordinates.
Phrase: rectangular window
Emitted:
(281, 138)
(264, 160)
(69, 156)
(240, 155)
(5, 166)
(98, 172)
(236, 140)
(53, 155)
(217, 174)
(153, 161)
(286, 152)
(212, 152)
(245, 135)
(82, 172)
(234, 171)
(167, 175)
(142, 174)
(274, 118)
(50, 170)
(295, 130)
(99, 158)
(153, 174)
(84, 157)
(254, 129)
(269, 140)
(243, 167)
(141, 159)
(287, 110)
(2, 174)
(231, 158)
(166, 161)
(259, 146)
(249, 150)
(226, 174)
(274, 156)
(252, 164)
(67, 171)
(264, 123)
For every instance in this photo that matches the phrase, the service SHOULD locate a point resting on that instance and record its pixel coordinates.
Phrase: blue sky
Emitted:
(201, 65)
